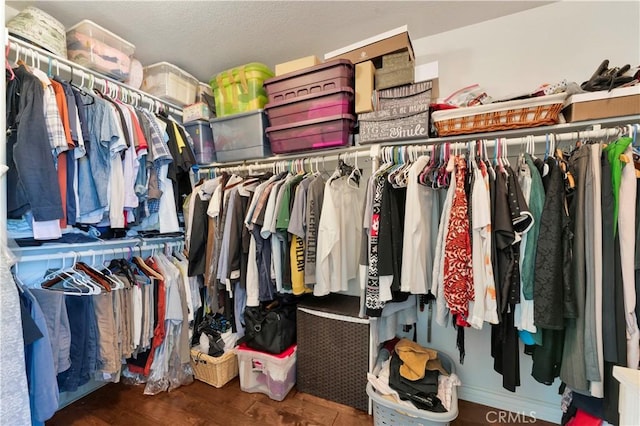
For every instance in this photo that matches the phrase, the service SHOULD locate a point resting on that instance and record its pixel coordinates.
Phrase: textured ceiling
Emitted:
(206, 37)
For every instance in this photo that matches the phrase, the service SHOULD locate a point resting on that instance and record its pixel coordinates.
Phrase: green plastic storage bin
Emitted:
(240, 89)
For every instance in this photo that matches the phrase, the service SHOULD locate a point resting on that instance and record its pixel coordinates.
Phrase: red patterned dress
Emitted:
(458, 268)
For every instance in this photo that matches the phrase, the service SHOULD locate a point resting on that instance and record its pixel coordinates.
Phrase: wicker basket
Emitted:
(387, 412)
(214, 371)
(540, 111)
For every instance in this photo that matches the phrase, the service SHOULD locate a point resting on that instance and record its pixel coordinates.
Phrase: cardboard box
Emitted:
(374, 47)
(297, 64)
(197, 111)
(365, 72)
(603, 104)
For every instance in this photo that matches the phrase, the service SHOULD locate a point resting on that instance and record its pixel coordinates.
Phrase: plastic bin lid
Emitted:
(106, 31)
(250, 67)
(174, 67)
(313, 121)
(313, 95)
(196, 122)
(287, 352)
(315, 68)
(239, 115)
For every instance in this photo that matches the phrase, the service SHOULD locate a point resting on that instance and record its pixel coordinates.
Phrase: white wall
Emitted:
(519, 52)
(9, 13)
(512, 54)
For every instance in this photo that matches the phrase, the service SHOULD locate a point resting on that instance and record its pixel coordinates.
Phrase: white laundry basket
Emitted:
(388, 413)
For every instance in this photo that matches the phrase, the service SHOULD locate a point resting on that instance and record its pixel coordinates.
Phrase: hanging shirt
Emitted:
(437, 287)
(484, 307)
(168, 216)
(59, 139)
(626, 227)
(338, 237)
(417, 254)
(549, 282)
(458, 272)
(297, 230)
(269, 232)
(313, 209)
(55, 128)
(533, 191)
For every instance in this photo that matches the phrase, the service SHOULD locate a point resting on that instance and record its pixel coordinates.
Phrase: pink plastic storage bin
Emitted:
(309, 107)
(318, 78)
(320, 133)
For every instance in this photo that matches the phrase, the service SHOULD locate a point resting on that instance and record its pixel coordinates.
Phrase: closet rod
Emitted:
(49, 61)
(462, 142)
(133, 251)
(95, 245)
(327, 155)
(284, 164)
(558, 129)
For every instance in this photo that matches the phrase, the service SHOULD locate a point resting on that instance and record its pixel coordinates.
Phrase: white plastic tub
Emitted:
(273, 375)
(168, 82)
(95, 47)
(386, 412)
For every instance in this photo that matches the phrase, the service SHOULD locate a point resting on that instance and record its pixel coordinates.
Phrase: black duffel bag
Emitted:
(270, 328)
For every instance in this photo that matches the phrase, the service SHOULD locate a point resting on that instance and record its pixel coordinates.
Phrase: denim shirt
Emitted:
(103, 132)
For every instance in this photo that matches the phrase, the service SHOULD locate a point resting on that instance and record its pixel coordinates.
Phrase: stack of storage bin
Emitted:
(311, 108)
(239, 129)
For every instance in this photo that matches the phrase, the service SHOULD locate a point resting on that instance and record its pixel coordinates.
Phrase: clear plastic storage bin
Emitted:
(202, 136)
(273, 375)
(241, 136)
(170, 83)
(92, 46)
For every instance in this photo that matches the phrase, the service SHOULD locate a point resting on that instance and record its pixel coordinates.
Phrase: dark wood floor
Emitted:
(201, 404)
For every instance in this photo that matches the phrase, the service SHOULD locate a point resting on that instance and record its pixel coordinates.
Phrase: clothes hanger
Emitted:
(432, 176)
(179, 254)
(399, 162)
(68, 280)
(69, 285)
(422, 176)
(444, 172)
(505, 153)
(146, 269)
(402, 180)
(97, 276)
(354, 177)
(54, 277)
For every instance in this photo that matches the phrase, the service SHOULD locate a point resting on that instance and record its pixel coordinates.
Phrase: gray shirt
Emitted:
(297, 224)
(314, 198)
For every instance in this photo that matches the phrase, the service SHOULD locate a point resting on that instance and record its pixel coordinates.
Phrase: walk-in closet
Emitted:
(314, 212)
